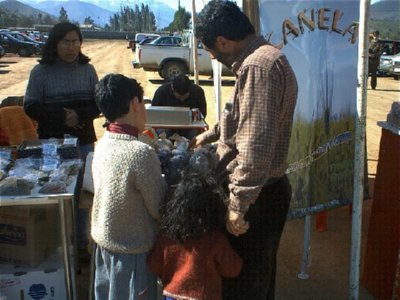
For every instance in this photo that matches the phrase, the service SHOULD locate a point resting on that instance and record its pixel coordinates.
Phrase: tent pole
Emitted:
(306, 259)
(194, 43)
(359, 159)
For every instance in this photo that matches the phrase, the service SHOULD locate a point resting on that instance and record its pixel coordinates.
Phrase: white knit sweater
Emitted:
(128, 188)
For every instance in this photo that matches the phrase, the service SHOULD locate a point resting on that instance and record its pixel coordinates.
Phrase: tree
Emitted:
(88, 21)
(40, 18)
(48, 20)
(181, 20)
(63, 15)
(137, 20)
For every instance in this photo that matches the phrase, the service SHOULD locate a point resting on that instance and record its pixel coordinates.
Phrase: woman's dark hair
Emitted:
(193, 208)
(57, 33)
(222, 18)
(114, 92)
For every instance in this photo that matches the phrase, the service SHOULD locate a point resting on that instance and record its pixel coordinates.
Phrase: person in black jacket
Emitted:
(181, 92)
(374, 54)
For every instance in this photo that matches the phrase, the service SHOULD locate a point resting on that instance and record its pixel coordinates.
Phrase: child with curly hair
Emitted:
(192, 254)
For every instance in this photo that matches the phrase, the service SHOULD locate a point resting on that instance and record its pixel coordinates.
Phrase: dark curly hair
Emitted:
(57, 33)
(193, 208)
(113, 94)
(222, 18)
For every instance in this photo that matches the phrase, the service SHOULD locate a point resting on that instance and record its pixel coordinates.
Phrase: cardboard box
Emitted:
(169, 115)
(43, 284)
(28, 235)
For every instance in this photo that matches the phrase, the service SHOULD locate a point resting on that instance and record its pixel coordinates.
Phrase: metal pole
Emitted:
(359, 159)
(66, 253)
(217, 68)
(306, 259)
(194, 43)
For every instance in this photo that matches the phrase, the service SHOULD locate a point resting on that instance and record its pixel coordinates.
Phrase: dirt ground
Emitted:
(330, 250)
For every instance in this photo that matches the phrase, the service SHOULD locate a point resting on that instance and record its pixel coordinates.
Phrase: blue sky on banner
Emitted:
(324, 59)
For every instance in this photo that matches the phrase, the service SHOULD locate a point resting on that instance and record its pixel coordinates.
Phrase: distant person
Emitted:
(128, 188)
(374, 54)
(191, 254)
(181, 92)
(60, 97)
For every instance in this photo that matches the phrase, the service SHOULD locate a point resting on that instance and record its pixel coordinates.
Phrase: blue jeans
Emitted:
(83, 214)
(123, 276)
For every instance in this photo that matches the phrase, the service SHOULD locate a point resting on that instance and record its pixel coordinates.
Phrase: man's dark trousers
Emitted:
(258, 247)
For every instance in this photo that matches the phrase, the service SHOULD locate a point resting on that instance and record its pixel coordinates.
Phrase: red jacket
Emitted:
(193, 270)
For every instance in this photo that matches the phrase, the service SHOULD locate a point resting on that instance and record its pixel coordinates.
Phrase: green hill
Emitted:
(13, 6)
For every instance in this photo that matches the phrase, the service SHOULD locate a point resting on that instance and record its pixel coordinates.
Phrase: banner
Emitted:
(320, 40)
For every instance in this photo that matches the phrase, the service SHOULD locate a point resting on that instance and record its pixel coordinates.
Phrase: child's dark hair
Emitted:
(193, 208)
(114, 92)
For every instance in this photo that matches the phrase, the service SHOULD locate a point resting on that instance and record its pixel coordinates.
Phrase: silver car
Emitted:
(384, 64)
(395, 67)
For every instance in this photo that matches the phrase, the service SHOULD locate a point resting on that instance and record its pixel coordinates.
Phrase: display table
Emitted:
(200, 125)
(381, 274)
(66, 217)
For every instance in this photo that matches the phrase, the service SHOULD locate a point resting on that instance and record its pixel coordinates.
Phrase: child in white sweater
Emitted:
(128, 188)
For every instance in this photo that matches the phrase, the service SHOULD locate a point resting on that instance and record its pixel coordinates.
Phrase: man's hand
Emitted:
(196, 142)
(71, 118)
(235, 223)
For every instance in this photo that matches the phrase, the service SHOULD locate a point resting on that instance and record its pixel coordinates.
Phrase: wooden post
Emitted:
(250, 8)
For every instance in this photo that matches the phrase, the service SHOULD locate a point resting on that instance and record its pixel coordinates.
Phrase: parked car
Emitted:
(2, 51)
(384, 65)
(172, 60)
(395, 67)
(167, 41)
(147, 40)
(22, 37)
(35, 35)
(139, 37)
(13, 45)
(390, 47)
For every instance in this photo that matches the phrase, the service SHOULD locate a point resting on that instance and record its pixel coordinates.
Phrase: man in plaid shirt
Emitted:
(253, 139)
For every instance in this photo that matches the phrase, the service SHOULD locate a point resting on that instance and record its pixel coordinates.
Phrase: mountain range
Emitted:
(101, 10)
(21, 8)
(385, 10)
(79, 10)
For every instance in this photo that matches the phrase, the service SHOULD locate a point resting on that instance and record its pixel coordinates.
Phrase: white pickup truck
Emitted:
(171, 61)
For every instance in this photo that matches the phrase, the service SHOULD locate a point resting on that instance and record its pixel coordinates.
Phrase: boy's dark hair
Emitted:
(181, 84)
(193, 208)
(57, 33)
(222, 18)
(114, 92)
